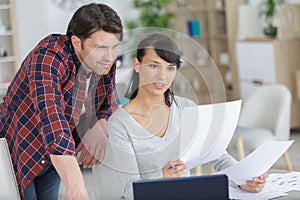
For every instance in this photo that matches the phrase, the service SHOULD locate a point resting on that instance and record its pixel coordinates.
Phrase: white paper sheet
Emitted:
(258, 162)
(206, 131)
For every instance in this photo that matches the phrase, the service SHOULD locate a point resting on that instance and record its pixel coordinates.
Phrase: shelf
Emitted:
(217, 26)
(192, 11)
(224, 65)
(201, 38)
(5, 6)
(8, 45)
(3, 89)
(7, 59)
(6, 33)
(220, 37)
(218, 10)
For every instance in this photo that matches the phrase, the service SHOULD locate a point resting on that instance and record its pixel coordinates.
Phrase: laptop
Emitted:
(9, 189)
(185, 188)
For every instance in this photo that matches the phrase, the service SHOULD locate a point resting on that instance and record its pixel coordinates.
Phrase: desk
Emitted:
(293, 195)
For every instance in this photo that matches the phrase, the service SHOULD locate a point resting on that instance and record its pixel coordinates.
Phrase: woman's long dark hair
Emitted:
(166, 49)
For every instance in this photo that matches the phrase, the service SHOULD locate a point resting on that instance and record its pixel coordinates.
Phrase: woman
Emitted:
(145, 133)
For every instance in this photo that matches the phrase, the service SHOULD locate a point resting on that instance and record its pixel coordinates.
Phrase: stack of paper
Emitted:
(277, 185)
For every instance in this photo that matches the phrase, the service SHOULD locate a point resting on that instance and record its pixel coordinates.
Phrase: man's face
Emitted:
(98, 52)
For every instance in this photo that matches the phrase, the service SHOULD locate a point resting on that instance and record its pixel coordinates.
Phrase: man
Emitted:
(65, 88)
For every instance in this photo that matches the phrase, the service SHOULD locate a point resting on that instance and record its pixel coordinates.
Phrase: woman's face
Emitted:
(155, 74)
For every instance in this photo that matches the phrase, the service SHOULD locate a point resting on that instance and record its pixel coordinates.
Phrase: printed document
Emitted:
(258, 162)
(206, 131)
(277, 185)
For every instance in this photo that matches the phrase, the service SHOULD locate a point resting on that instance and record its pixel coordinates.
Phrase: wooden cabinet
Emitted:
(213, 24)
(269, 62)
(8, 50)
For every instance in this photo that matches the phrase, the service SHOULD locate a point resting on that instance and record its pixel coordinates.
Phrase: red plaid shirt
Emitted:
(43, 105)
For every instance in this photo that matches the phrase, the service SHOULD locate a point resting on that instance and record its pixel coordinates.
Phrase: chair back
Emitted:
(8, 185)
(268, 107)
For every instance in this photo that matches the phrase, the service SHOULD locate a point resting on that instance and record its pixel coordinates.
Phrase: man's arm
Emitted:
(69, 171)
(92, 146)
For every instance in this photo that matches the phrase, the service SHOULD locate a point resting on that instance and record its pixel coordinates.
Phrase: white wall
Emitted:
(37, 18)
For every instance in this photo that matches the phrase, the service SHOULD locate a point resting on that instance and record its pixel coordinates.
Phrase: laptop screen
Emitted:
(192, 188)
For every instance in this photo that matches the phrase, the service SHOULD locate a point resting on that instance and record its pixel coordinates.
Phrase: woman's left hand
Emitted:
(255, 185)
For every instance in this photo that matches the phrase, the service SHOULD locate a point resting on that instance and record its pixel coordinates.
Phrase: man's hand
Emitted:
(75, 193)
(92, 145)
(255, 185)
(71, 176)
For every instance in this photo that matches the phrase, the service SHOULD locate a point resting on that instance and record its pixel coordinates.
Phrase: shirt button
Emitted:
(43, 162)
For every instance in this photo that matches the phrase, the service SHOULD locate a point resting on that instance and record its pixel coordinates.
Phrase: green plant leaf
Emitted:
(153, 13)
(267, 9)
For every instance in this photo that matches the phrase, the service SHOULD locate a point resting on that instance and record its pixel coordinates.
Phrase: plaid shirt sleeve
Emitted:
(45, 73)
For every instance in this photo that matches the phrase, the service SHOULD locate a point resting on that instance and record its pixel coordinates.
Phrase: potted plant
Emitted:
(268, 11)
(153, 13)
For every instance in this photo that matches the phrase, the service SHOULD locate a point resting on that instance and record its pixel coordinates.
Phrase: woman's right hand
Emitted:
(173, 169)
